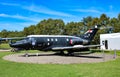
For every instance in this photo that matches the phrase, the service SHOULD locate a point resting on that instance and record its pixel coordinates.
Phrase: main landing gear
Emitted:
(69, 53)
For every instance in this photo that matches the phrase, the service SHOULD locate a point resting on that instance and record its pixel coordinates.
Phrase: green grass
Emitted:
(13, 69)
(4, 46)
(106, 51)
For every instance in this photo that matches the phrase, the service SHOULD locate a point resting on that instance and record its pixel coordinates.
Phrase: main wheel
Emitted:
(70, 53)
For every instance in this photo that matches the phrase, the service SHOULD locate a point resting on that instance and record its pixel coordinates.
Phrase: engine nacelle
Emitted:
(78, 41)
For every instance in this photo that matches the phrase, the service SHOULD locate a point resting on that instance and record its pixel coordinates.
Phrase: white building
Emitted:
(110, 41)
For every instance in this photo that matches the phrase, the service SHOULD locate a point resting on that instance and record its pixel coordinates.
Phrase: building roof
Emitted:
(112, 35)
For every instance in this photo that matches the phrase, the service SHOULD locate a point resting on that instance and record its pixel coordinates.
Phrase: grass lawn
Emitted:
(4, 46)
(13, 69)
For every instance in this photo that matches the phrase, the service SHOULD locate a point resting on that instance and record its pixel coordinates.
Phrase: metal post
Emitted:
(114, 54)
(103, 55)
(37, 54)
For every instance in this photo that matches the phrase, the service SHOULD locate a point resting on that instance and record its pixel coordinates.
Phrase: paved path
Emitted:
(51, 58)
(5, 50)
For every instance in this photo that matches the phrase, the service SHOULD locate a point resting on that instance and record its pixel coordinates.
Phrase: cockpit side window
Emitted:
(31, 39)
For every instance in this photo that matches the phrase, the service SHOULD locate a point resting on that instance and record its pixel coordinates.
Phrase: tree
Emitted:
(4, 33)
(57, 26)
(104, 19)
(95, 21)
(88, 20)
(29, 30)
(73, 28)
(50, 26)
(119, 16)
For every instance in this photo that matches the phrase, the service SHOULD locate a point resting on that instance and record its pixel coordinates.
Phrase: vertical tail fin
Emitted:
(89, 35)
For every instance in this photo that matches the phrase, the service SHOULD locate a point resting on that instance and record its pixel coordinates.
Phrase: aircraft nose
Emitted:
(19, 44)
(15, 45)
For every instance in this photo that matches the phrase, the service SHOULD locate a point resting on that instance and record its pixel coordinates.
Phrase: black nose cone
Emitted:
(20, 44)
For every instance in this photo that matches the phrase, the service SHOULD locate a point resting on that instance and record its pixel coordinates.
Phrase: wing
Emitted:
(15, 38)
(75, 47)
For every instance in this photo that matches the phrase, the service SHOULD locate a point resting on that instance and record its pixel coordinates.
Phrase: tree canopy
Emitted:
(59, 27)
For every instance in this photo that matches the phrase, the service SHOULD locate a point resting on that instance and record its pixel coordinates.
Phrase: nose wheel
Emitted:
(26, 54)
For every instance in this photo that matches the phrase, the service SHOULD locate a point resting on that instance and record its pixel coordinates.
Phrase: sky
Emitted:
(17, 14)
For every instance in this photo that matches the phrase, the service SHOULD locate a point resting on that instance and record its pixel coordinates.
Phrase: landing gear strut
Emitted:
(26, 54)
(62, 53)
(70, 53)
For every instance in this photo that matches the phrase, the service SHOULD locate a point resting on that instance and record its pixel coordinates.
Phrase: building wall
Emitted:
(113, 41)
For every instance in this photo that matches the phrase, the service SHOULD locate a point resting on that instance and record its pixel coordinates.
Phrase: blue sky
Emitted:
(17, 14)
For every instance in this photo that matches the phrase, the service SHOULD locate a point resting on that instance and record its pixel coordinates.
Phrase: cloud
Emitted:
(87, 10)
(12, 26)
(45, 10)
(111, 7)
(17, 16)
(3, 15)
(9, 4)
(39, 9)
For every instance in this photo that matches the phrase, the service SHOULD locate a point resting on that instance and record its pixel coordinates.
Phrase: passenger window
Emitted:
(51, 39)
(67, 39)
(48, 39)
(48, 43)
(56, 39)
